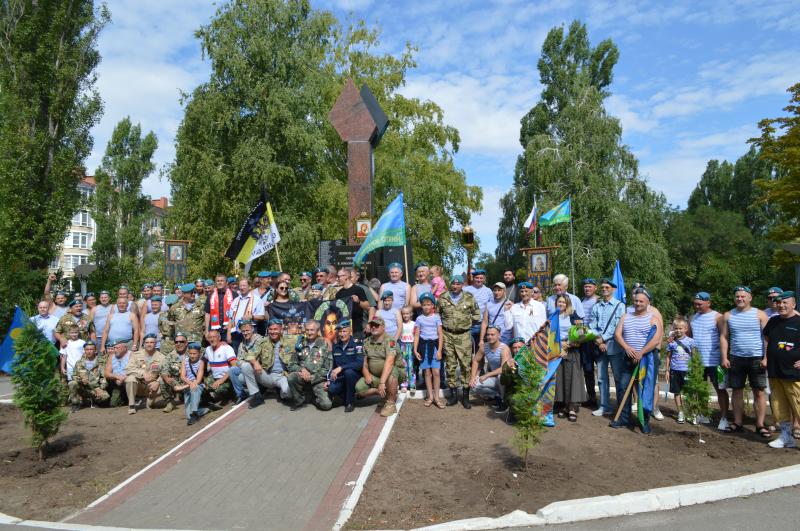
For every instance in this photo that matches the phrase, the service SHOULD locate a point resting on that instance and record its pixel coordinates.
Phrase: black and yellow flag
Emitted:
(258, 234)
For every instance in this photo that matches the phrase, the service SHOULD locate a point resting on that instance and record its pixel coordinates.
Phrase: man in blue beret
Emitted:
(772, 299)
(482, 296)
(348, 362)
(303, 290)
(606, 313)
(458, 311)
(782, 335)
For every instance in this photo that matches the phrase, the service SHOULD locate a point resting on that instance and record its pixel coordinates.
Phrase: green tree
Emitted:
(573, 148)
(119, 209)
(48, 104)
(38, 390)
(525, 403)
(261, 119)
(696, 392)
(780, 145)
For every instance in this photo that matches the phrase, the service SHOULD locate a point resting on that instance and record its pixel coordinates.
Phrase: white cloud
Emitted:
(626, 109)
(486, 223)
(675, 175)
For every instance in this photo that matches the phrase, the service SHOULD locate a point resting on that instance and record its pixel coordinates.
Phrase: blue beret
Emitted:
(457, 278)
(150, 336)
(386, 294)
(525, 284)
(194, 345)
(589, 280)
(155, 298)
(320, 270)
(702, 295)
(742, 288)
(208, 282)
(479, 272)
(274, 322)
(90, 342)
(395, 265)
(244, 322)
(785, 295)
(104, 292)
(90, 294)
(427, 296)
(171, 299)
(606, 280)
(306, 274)
(73, 302)
(264, 274)
(59, 292)
(275, 274)
(186, 288)
(158, 285)
(318, 287)
(231, 279)
(148, 285)
(115, 342)
(343, 324)
(774, 290)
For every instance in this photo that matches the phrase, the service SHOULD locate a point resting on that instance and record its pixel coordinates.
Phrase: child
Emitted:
(406, 333)
(428, 347)
(390, 316)
(192, 369)
(71, 352)
(437, 282)
(679, 351)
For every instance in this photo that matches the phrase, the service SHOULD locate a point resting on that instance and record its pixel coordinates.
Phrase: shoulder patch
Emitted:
(392, 343)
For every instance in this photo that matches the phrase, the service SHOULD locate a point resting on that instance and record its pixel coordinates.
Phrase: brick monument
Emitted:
(358, 118)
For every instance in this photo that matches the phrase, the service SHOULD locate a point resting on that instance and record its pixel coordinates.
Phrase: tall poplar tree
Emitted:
(119, 208)
(573, 148)
(48, 104)
(261, 119)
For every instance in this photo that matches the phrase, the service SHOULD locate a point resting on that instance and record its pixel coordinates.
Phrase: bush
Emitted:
(696, 392)
(39, 391)
(525, 403)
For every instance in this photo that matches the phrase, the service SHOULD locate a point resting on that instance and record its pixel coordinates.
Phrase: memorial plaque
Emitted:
(325, 255)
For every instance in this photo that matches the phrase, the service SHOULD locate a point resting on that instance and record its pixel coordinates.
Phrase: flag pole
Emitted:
(405, 259)
(278, 254)
(571, 245)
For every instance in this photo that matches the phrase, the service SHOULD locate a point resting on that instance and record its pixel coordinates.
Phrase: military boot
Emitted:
(465, 399)
(453, 398)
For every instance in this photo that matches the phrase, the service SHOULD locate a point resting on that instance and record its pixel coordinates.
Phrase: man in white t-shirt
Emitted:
(219, 357)
(527, 316)
(247, 306)
(45, 321)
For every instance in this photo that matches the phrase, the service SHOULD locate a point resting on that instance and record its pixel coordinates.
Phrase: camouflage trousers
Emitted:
(224, 392)
(118, 395)
(458, 354)
(80, 393)
(167, 390)
(299, 389)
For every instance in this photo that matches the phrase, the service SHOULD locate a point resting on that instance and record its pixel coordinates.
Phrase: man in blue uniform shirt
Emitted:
(348, 360)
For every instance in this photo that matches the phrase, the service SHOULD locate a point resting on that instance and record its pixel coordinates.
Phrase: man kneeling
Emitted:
(142, 374)
(87, 382)
(380, 375)
(308, 369)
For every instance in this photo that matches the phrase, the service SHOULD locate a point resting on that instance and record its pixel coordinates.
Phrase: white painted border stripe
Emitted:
(154, 463)
(352, 500)
(661, 499)
(6, 401)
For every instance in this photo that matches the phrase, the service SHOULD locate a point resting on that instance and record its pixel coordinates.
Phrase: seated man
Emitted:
(87, 382)
(219, 357)
(277, 353)
(348, 361)
(381, 374)
(488, 385)
(115, 368)
(249, 369)
(171, 371)
(308, 370)
(192, 372)
(143, 373)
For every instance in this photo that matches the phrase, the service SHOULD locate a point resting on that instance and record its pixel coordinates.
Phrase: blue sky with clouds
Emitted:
(692, 81)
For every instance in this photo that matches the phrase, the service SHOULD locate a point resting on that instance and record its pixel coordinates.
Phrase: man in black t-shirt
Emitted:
(782, 335)
(357, 297)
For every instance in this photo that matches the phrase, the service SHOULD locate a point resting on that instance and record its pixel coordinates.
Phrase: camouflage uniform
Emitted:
(171, 368)
(190, 322)
(166, 333)
(85, 382)
(329, 294)
(138, 366)
(317, 359)
(457, 320)
(69, 321)
(302, 295)
(376, 353)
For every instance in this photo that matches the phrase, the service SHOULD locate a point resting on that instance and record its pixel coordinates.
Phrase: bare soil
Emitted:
(442, 465)
(94, 450)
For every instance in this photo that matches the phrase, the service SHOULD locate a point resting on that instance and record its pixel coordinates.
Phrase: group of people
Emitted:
(214, 341)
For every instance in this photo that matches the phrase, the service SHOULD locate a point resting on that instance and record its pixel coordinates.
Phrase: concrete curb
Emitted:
(352, 500)
(10, 520)
(661, 499)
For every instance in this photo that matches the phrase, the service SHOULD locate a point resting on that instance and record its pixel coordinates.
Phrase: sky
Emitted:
(692, 81)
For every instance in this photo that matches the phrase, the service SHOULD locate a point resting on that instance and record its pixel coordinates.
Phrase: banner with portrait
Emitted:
(328, 313)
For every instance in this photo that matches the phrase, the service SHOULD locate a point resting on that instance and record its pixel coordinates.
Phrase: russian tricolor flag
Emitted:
(530, 221)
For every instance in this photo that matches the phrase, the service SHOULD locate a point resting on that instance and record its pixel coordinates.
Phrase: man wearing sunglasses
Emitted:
(772, 298)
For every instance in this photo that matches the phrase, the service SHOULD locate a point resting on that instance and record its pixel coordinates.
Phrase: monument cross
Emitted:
(358, 118)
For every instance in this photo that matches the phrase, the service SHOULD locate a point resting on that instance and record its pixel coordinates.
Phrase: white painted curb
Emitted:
(661, 499)
(352, 500)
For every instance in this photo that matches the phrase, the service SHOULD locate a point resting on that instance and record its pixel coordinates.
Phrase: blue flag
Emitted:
(619, 292)
(7, 346)
(560, 214)
(389, 231)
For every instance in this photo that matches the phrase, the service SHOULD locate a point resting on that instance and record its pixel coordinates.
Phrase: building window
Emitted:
(81, 240)
(86, 193)
(74, 260)
(82, 219)
(56, 263)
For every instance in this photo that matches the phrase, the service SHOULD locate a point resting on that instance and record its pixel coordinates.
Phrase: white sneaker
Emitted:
(783, 442)
(681, 417)
(693, 420)
(702, 419)
(723, 424)
(599, 412)
(658, 415)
